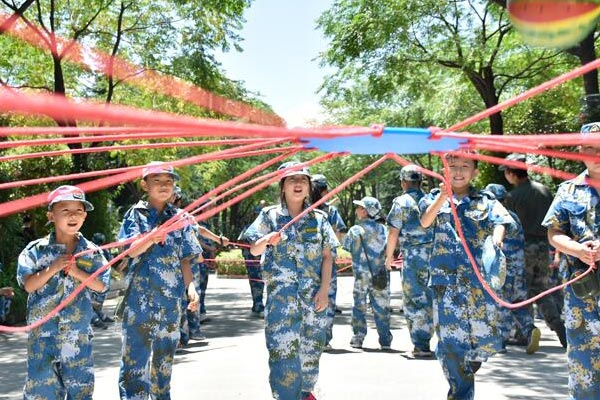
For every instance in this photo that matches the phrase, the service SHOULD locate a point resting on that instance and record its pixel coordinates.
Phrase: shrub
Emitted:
(231, 263)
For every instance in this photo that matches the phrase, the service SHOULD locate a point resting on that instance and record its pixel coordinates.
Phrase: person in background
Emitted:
(515, 286)
(297, 266)
(530, 200)
(254, 271)
(404, 220)
(319, 189)
(100, 319)
(366, 242)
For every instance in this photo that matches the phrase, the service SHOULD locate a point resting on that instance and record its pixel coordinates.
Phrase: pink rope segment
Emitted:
(142, 146)
(73, 51)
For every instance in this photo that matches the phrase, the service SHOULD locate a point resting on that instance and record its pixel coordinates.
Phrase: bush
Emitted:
(231, 263)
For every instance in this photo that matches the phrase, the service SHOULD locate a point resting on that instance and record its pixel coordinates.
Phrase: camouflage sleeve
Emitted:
(348, 241)
(557, 216)
(394, 217)
(190, 245)
(259, 228)
(336, 221)
(330, 240)
(426, 201)
(129, 227)
(26, 265)
(498, 214)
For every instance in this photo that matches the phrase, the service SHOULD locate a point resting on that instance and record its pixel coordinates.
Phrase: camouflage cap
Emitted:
(301, 171)
(371, 204)
(411, 173)
(497, 190)
(513, 157)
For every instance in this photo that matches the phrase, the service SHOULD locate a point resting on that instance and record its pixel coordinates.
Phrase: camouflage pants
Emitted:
(150, 334)
(380, 302)
(295, 336)
(332, 294)
(583, 353)
(257, 286)
(59, 366)
(202, 285)
(537, 261)
(465, 323)
(417, 297)
(513, 291)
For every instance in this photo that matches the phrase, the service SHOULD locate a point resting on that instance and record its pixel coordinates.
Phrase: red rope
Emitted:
(142, 146)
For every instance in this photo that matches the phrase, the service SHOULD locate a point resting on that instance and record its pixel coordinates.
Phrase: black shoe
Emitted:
(475, 365)
(338, 311)
(560, 331)
(99, 324)
(107, 319)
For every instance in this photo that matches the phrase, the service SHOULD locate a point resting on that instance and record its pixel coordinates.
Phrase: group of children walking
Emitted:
(441, 290)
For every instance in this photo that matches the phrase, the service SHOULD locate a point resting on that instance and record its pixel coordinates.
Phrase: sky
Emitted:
(280, 45)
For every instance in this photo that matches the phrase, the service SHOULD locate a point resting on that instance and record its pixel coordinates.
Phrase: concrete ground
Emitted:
(233, 363)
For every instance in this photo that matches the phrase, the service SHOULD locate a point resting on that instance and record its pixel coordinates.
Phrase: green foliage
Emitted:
(231, 263)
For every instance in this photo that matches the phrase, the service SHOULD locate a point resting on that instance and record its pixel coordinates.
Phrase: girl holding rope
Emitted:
(297, 267)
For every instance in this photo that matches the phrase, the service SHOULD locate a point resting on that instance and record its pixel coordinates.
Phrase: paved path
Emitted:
(233, 364)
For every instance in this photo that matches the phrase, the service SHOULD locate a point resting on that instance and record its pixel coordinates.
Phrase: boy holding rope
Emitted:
(465, 316)
(159, 274)
(59, 352)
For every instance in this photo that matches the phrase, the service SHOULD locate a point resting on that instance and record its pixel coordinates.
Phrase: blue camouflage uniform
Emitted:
(190, 326)
(59, 352)
(295, 332)
(203, 269)
(575, 211)
(374, 236)
(150, 330)
(465, 316)
(515, 286)
(339, 226)
(416, 246)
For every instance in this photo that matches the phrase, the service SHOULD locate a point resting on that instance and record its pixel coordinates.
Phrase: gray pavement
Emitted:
(233, 363)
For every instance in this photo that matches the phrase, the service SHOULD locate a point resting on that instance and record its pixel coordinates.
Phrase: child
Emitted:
(59, 352)
(465, 316)
(297, 271)
(320, 188)
(573, 226)
(366, 242)
(159, 274)
(404, 220)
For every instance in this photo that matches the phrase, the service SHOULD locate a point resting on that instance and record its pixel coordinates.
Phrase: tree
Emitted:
(385, 42)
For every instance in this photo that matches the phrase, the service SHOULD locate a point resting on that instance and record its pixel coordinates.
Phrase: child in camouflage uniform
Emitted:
(59, 352)
(320, 188)
(573, 229)
(366, 242)
(404, 220)
(297, 271)
(159, 275)
(465, 316)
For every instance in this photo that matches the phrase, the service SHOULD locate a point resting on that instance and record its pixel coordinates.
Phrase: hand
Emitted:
(273, 238)
(321, 299)
(388, 263)
(443, 194)
(193, 298)
(7, 292)
(62, 263)
(588, 252)
(224, 241)
(157, 237)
